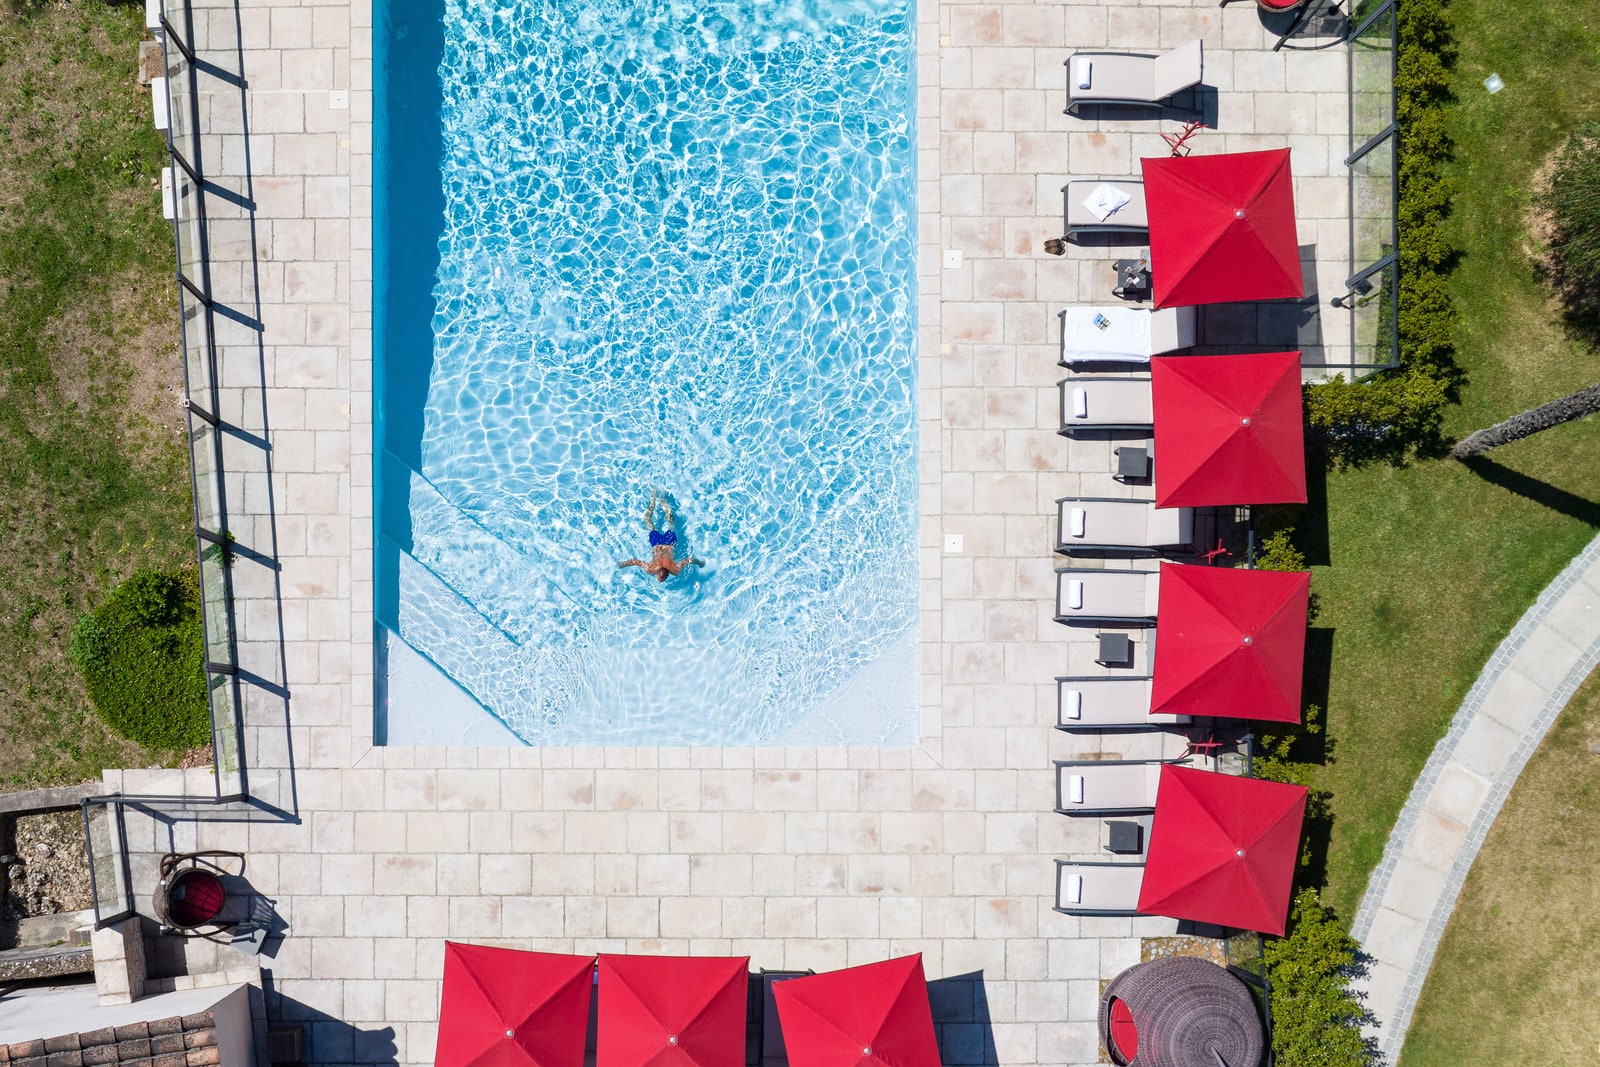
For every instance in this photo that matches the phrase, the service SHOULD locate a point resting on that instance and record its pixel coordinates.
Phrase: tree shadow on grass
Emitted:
(1540, 492)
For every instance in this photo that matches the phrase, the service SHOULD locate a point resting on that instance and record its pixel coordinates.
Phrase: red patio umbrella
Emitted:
(1222, 228)
(1222, 849)
(1229, 430)
(505, 1008)
(672, 1011)
(1229, 642)
(877, 1014)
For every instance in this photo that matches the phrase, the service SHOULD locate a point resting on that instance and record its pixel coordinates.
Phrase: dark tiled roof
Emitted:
(181, 1041)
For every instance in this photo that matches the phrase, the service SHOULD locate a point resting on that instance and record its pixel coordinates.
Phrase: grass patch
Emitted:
(1516, 973)
(93, 473)
(1425, 568)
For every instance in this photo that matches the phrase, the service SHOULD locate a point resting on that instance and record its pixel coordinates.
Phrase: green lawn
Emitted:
(93, 471)
(1518, 971)
(1426, 568)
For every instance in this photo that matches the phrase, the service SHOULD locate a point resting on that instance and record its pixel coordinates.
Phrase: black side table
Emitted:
(1124, 838)
(1116, 650)
(1133, 279)
(1133, 463)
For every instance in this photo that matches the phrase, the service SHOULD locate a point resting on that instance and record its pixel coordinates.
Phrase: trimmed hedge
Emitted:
(1316, 1019)
(142, 656)
(1401, 411)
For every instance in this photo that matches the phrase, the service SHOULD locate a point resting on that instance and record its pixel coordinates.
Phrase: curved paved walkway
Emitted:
(1505, 716)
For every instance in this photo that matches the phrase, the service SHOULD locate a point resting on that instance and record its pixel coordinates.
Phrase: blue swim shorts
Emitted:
(663, 537)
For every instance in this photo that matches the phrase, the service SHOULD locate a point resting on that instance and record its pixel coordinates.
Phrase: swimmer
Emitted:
(663, 562)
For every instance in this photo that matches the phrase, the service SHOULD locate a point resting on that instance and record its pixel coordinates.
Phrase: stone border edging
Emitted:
(1390, 1031)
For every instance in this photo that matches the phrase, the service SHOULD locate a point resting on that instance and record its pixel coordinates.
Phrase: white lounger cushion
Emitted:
(1110, 786)
(1093, 703)
(1130, 334)
(1135, 78)
(1124, 523)
(1107, 594)
(1094, 401)
(1099, 887)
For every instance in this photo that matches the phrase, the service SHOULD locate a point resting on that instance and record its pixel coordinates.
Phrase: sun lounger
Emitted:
(1106, 787)
(1123, 334)
(1106, 524)
(1084, 594)
(1078, 214)
(1136, 79)
(1098, 888)
(1106, 701)
(1094, 402)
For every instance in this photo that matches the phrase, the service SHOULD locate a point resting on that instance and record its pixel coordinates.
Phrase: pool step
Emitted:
(501, 582)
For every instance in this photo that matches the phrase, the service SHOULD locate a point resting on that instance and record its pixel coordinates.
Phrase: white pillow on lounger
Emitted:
(1074, 594)
(1074, 708)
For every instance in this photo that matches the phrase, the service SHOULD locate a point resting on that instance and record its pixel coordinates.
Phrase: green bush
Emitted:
(1573, 200)
(1316, 1019)
(142, 657)
(1382, 418)
(1278, 758)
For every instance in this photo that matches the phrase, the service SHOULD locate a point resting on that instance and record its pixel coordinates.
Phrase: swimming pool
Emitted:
(625, 247)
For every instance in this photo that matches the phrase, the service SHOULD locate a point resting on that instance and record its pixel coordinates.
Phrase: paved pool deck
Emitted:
(796, 857)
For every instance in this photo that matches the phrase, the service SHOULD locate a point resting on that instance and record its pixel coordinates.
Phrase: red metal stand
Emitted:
(1180, 141)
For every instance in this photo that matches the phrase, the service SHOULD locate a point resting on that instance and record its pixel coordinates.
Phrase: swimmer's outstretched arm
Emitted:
(631, 563)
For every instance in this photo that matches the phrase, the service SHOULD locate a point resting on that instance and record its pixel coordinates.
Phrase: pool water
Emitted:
(633, 247)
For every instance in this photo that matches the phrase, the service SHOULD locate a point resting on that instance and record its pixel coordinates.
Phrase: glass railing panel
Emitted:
(107, 847)
(215, 559)
(1372, 80)
(1373, 306)
(208, 511)
(1372, 205)
(225, 750)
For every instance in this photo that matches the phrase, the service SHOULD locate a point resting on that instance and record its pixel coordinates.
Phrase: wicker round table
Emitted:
(1180, 1012)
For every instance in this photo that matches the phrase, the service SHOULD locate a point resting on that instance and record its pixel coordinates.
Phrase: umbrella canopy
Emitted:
(872, 1015)
(1230, 642)
(1222, 849)
(672, 1011)
(1222, 228)
(506, 1008)
(1229, 430)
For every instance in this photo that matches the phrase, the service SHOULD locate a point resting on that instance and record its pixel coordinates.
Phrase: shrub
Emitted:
(1316, 1019)
(1277, 553)
(142, 657)
(1383, 418)
(1573, 200)
(1277, 759)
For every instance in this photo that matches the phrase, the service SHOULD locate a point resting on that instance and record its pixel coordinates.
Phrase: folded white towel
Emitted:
(1105, 200)
(1075, 788)
(1074, 594)
(1080, 403)
(1074, 889)
(1074, 708)
(1085, 73)
(1079, 519)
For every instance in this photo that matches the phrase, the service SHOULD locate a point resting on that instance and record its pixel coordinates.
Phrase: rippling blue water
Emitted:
(677, 253)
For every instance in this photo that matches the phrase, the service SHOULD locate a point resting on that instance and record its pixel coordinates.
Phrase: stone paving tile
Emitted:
(798, 857)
